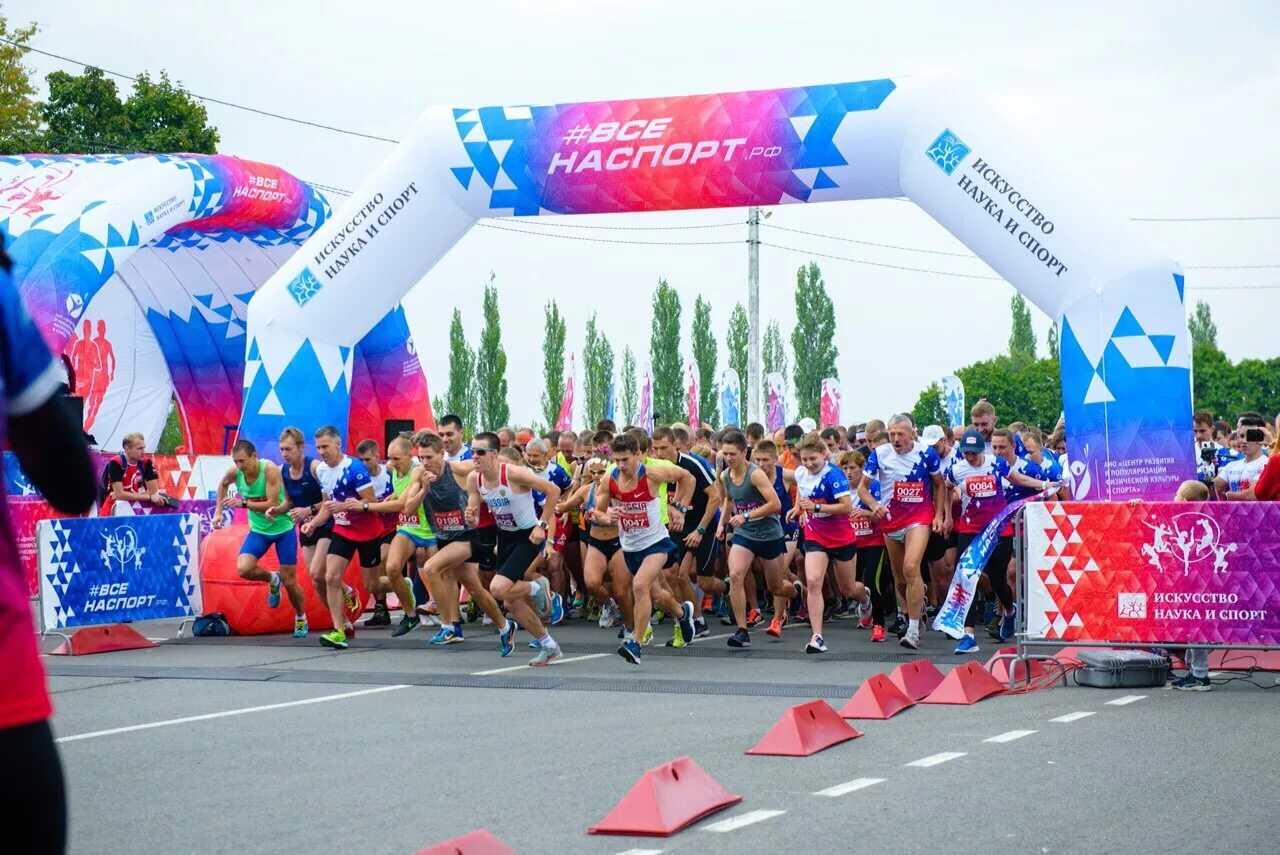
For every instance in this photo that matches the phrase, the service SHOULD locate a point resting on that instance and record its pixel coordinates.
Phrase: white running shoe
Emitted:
(488, 621)
(607, 619)
(911, 640)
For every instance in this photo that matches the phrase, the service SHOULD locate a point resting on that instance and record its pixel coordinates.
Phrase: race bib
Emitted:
(862, 527)
(908, 492)
(448, 521)
(406, 519)
(633, 522)
(980, 486)
(340, 518)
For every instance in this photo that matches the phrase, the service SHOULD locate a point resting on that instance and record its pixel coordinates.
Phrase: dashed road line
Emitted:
(1070, 717)
(643, 852)
(526, 666)
(736, 822)
(849, 787)
(1126, 700)
(936, 759)
(1009, 736)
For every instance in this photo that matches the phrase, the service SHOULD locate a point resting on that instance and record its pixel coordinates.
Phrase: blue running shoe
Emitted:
(968, 644)
(686, 621)
(557, 609)
(1009, 625)
(534, 645)
(630, 651)
(273, 590)
(505, 637)
(540, 598)
(444, 636)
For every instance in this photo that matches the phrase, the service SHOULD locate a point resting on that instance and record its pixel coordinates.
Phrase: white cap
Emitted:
(932, 435)
(807, 425)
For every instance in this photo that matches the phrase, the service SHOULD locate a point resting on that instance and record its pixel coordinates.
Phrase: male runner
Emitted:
(940, 555)
(983, 417)
(451, 432)
(604, 551)
(537, 454)
(412, 531)
(259, 485)
(750, 512)
(695, 549)
(507, 491)
(383, 490)
(766, 457)
(869, 543)
(632, 500)
(908, 472)
(348, 492)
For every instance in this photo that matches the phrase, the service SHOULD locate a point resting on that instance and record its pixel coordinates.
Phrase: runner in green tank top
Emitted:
(261, 489)
(413, 531)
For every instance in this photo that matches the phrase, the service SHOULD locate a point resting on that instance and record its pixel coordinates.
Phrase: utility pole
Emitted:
(753, 315)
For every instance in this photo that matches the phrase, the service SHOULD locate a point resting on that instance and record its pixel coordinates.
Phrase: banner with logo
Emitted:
(564, 421)
(691, 393)
(952, 388)
(730, 398)
(952, 613)
(776, 398)
(829, 403)
(1161, 572)
(644, 420)
(108, 569)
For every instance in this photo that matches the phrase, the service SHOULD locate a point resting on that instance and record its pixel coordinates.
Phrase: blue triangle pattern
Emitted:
(464, 128)
(1127, 325)
(463, 174)
(1163, 345)
(1181, 282)
(824, 181)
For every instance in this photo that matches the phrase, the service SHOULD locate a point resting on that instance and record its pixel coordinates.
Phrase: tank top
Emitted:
(639, 513)
(258, 520)
(415, 523)
(303, 491)
(784, 496)
(604, 532)
(745, 498)
(383, 489)
(512, 511)
(445, 503)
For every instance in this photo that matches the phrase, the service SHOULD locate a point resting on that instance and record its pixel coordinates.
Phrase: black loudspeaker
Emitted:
(392, 428)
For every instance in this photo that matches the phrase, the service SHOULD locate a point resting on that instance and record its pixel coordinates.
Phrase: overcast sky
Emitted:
(1170, 110)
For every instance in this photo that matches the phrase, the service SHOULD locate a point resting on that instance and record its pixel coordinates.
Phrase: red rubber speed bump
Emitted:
(916, 679)
(481, 842)
(665, 800)
(805, 729)
(966, 684)
(876, 698)
(102, 639)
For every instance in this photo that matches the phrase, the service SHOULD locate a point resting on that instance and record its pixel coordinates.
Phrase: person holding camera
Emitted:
(1234, 480)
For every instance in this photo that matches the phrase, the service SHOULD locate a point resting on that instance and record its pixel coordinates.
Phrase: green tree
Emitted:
(736, 342)
(171, 437)
(930, 409)
(704, 354)
(19, 111)
(437, 407)
(553, 362)
(1201, 326)
(664, 354)
(491, 364)
(813, 339)
(597, 361)
(629, 396)
(460, 398)
(84, 113)
(1053, 340)
(1022, 337)
(773, 352)
(1027, 390)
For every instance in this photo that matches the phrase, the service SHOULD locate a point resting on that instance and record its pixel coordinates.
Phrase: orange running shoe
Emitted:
(754, 617)
(877, 633)
(775, 627)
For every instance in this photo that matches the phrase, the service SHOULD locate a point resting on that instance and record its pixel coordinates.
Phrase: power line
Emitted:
(868, 242)
(881, 264)
(210, 100)
(611, 240)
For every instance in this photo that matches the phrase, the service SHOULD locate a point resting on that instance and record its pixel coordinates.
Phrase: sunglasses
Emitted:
(582, 459)
(481, 452)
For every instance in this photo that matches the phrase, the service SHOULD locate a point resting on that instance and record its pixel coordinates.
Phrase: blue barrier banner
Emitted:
(111, 569)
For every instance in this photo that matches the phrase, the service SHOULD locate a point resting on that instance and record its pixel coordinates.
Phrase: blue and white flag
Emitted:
(611, 401)
(953, 399)
(730, 398)
(951, 616)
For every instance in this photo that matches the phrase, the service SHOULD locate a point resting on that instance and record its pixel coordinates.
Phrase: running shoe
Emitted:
(799, 586)
(754, 617)
(741, 638)
(657, 617)
(505, 636)
(816, 645)
(877, 633)
(407, 624)
(864, 614)
(707, 602)
(431, 607)
(1009, 625)
(300, 628)
(381, 616)
(968, 644)
(910, 640)
(606, 616)
(648, 636)
(802, 612)
(630, 651)
(557, 609)
(535, 645)
(684, 623)
(546, 655)
(700, 628)
(354, 607)
(273, 590)
(900, 625)
(677, 637)
(541, 596)
(622, 632)
(350, 630)
(595, 613)
(1192, 683)
(844, 610)
(428, 620)
(578, 601)
(486, 621)
(776, 625)
(336, 639)
(445, 636)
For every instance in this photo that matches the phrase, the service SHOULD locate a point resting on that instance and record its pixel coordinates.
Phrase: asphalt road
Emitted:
(249, 745)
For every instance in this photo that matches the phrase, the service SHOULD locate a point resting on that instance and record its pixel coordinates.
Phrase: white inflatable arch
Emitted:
(1117, 298)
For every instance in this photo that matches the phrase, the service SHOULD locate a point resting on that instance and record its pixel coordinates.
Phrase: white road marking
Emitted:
(227, 713)
(1010, 736)
(1070, 717)
(736, 822)
(849, 787)
(643, 852)
(935, 759)
(1127, 699)
(525, 667)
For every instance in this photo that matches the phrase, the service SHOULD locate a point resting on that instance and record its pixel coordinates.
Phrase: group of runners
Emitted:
(622, 527)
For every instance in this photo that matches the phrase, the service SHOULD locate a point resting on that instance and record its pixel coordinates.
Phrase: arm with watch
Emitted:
(669, 473)
(694, 539)
(519, 476)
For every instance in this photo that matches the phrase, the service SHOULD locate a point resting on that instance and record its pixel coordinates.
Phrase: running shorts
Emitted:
(516, 553)
(285, 543)
(765, 549)
(836, 553)
(370, 551)
(636, 559)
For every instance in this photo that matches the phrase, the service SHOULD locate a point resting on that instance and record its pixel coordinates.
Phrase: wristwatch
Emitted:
(364, 505)
(542, 524)
(244, 503)
(684, 509)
